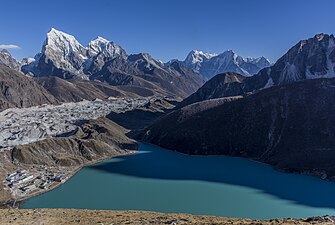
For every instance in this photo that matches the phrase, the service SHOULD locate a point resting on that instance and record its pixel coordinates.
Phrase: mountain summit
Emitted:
(108, 48)
(62, 55)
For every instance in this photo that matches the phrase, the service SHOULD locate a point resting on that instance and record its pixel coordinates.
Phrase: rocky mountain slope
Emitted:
(92, 141)
(63, 56)
(78, 90)
(17, 90)
(209, 65)
(222, 85)
(309, 59)
(290, 127)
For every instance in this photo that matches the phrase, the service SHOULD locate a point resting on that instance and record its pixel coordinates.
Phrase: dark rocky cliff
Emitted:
(291, 127)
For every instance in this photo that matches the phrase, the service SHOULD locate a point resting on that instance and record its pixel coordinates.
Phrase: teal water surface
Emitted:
(164, 181)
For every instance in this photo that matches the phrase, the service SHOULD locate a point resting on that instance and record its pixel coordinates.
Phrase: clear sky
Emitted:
(169, 28)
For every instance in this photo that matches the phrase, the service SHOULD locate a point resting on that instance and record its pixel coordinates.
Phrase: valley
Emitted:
(90, 113)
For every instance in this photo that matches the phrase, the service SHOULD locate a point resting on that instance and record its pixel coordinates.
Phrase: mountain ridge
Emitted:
(309, 59)
(63, 56)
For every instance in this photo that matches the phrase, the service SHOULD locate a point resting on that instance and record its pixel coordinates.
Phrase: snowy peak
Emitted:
(63, 43)
(231, 57)
(97, 45)
(308, 59)
(196, 56)
(106, 47)
(7, 59)
(195, 59)
(261, 62)
(201, 54)
(5, 53)
(63, 56)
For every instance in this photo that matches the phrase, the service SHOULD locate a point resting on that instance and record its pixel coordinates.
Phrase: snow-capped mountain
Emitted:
(7, 59)
(108, 48)
(195, 59)
(260, 62)
(308, 59)
(100, 51)
(208, 65)
(63, 56)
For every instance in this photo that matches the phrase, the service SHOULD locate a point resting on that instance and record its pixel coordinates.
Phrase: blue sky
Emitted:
(169, 28)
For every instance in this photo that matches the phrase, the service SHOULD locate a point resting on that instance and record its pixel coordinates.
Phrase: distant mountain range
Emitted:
(106, 69)
(308, 59)
(209, 65)
(105, 61)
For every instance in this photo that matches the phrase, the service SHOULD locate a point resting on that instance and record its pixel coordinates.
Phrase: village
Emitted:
(25, 182)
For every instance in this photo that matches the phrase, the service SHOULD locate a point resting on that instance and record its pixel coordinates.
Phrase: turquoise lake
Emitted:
(164, 181)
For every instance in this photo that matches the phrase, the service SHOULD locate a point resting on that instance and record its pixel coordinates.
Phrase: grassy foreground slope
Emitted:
(73, 216)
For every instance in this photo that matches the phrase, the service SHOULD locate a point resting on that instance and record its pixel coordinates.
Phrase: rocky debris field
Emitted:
(26, 125)
(73, 216)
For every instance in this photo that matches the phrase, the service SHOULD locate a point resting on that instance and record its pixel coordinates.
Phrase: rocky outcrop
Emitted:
(290, 127)
(17, 90)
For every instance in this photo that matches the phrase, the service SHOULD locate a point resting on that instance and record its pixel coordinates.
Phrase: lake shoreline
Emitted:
(16, 203)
